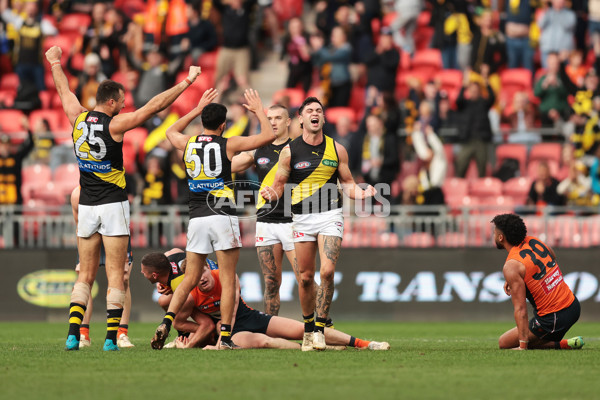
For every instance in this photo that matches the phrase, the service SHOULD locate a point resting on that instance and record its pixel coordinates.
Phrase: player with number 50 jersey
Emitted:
(213, 224)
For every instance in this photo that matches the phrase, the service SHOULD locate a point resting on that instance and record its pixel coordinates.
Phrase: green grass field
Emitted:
(427, 361)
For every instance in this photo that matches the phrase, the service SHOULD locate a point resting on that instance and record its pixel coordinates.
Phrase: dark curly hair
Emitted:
(512, 226)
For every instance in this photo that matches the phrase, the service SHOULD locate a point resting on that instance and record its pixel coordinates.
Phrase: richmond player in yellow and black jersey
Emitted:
(103, 206)
(313, 164)
(273, 222)
(213, 224)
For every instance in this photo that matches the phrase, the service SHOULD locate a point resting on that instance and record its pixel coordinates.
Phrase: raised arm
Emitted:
(175, 131)
(514, 272)
(350, 188)
(244, 143)
(69, 101)
(242, 161)
(122, 123)
(281, 176)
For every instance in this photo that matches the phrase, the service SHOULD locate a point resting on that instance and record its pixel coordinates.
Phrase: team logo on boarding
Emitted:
(330, 163)
(263, 160)
(302, 165)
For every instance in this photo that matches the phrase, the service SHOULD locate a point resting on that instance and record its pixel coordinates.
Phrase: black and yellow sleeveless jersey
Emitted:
(100, 159)
(314, 169)
(266, 160)
(209, 176)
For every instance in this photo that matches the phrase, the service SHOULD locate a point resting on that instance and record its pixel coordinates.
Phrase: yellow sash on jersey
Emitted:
(328, 165)
(115, 176)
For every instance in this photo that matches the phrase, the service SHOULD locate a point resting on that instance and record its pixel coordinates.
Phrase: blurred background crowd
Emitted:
(464, 102)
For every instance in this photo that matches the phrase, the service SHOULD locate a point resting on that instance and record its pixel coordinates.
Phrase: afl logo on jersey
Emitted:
(263, 161)
(204, 139)
(92, 119)
(302, 165)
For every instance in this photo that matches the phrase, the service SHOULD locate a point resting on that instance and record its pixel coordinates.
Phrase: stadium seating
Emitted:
(295, 95)
(74, 22)
(9, 81)
(533, 165)
(451, 81)
(419, 239)
(546, 151)
(333, 114)
(56, 119)
(516, 79)
(512, 150)
(65, 41)
(32, 176)
(7, 97)
(427, 61)
(11, 121)
(518, 189)
(208, 61)
(452, 239)
(485, 187)
(66, 178)
(455, 187)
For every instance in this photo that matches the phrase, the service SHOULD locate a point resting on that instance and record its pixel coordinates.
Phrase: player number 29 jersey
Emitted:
(100, 159)
(546, 289)
(209, 176)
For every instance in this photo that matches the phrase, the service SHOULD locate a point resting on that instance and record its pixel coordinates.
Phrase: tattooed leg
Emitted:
(329, 251)
(269, 258)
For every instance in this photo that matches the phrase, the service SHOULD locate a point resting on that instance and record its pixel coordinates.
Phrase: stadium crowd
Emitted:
(464, 103)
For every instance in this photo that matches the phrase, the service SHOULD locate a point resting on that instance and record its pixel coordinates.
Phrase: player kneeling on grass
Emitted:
(251, 329)
(532, 273)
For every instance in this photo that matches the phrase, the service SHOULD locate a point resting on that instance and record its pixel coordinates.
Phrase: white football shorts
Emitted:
(214, 232)
(268, 234)
(110, 219)
(306, 227)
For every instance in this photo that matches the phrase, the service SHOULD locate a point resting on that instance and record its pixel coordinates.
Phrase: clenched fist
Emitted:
(53, 54)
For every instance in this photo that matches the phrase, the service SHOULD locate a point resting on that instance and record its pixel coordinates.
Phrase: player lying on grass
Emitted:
(532, 273)
(251, 329)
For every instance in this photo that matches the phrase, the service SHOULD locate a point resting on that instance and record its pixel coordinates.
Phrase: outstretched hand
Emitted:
(369, 191)
(208, 97)
(253, 100)
(53, 54)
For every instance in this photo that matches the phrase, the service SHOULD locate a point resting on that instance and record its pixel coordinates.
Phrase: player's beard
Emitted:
(499, 246)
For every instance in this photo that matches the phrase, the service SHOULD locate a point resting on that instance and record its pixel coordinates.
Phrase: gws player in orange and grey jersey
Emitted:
(103, 206)
(252, 328)
(213, 224)
(532, 273)
(314, 163)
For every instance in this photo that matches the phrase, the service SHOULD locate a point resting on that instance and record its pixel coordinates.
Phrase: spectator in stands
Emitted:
(11, 163)
(238, 123)
(334, 62)
(552, 92)
(202, 34)
(43, 140)
(543, 189)
(475, 133)
(585, 131)
(30, 30)
(594, 21)
(88, 79)
(430, 152)
(385, 105)
(446, 43)
(157, 179)
(488, 45)
(382, 63)
(595, 176)
(576, 187)
(156, 75)
(576, 69)
(557, 25)
(234, 54)
(379, 161)
(405, 24)
(521, 118)
(360, 40)
(157, 128)
(458, 23)
(297, 50)
(264, 15)
(343, 133)
(166, 24)
(445, 122)
(519, 15)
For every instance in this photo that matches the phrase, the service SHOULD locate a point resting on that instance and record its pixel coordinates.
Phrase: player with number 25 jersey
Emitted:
(100, 160)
